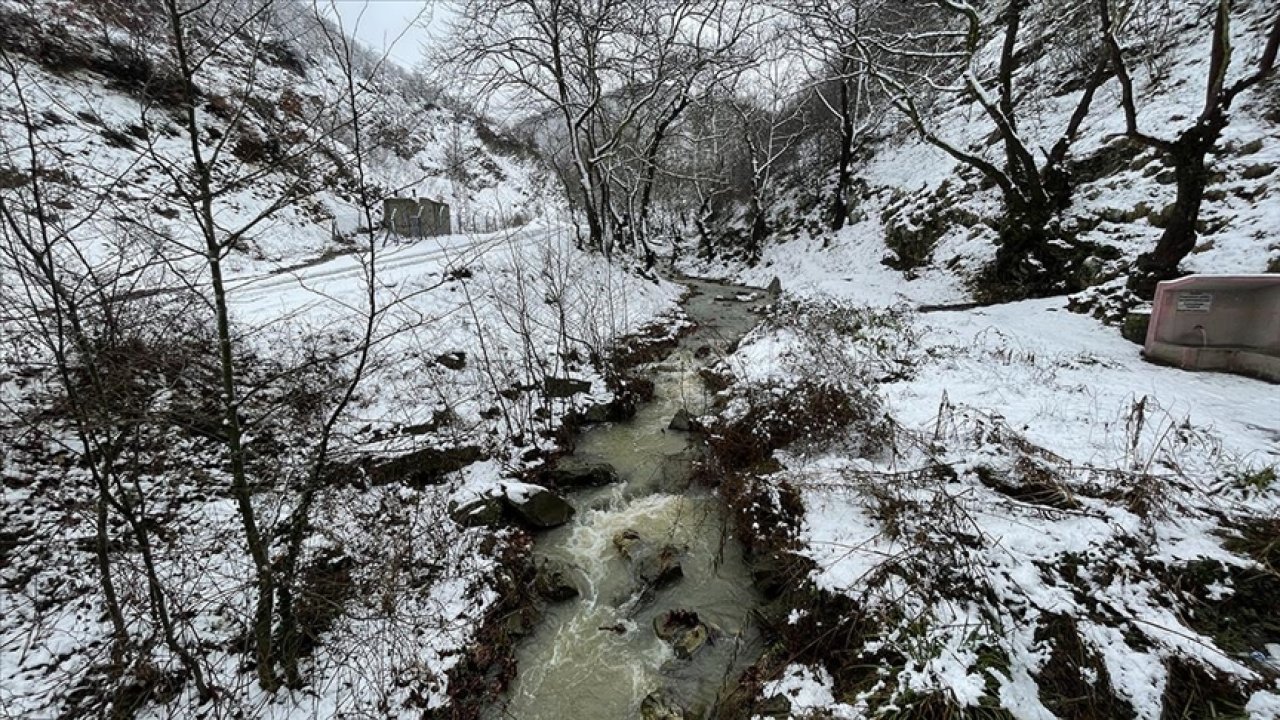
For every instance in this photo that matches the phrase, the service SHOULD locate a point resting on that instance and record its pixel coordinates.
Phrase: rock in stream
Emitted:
(653, 566)
(572, 474)
(539, 508)
(684, 631)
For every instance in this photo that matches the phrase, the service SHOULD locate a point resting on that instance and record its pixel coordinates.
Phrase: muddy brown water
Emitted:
(598, 656)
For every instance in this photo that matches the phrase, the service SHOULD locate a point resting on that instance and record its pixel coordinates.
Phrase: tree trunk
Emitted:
(759, 230)
(1189, 154)
(706, 248)
(839, 204)
(1024, 265)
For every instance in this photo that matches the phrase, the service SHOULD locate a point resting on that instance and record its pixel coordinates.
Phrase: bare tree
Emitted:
(1188, 151)
(768, 128)
(608, 79)
(74, 293)
(826, 35)
(331, 134)
(909, 47)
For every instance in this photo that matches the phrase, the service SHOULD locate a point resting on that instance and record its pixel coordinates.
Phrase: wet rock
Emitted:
(775, 287)
(539, 508)
(684, 631)
(599, 413)
(657, 705)
(777, 707)
(652, 566)
(566, 387)
(691, 641)
(479, 512)
(625, 541)
(455, 360)
(577, 474)
(683, 421)
(424, 467)
(554, 582)
(659, 569)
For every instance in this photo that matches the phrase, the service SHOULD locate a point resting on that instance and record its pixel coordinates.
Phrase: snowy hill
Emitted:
(99, 89)
(922, 212)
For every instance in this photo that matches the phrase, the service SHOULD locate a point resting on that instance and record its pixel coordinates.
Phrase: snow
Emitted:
(809, 690)
(993, 390)
(1263, 706)
(396, 645)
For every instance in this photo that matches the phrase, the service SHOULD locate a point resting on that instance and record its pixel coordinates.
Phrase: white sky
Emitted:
(379, 24)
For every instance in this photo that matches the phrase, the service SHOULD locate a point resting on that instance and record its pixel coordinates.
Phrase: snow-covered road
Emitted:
(347, 273)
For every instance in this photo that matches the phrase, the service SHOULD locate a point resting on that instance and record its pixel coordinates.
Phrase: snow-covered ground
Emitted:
(516, 304)
(512, 307)
(114, 156)
(1035, 467)
(1024, 513)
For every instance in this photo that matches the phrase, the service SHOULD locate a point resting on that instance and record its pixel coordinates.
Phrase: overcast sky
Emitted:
(381, 23)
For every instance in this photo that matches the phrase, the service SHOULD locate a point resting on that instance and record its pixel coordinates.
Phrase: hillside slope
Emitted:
(104, 102)
(1004, 511)
(925, 214)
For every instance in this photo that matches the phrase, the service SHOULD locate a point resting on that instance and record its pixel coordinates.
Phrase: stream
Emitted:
(598, 655)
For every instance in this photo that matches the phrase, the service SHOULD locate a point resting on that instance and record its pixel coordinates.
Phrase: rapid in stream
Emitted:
(598, 655)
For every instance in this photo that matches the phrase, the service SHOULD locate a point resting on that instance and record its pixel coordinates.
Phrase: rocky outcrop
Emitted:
(455, 360)
(565, 387)
(484, 511)
(428, 466)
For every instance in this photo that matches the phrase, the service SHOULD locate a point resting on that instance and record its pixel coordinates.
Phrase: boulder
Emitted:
(538, 507)
(775, 287)
(683, 421)
(553, 581)
(478, 512)
(684, 631)
(658, 569)
(598, 413)
(576, 474)
(657, 705)
(455, 360)
(428, 466)
(652, 566)
(565, 387)
(625, 541)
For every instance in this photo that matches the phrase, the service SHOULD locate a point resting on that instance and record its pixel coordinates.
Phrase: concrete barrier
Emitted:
(1225, 323)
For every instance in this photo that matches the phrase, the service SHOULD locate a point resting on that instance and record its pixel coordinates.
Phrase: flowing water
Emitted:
(598, 656)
